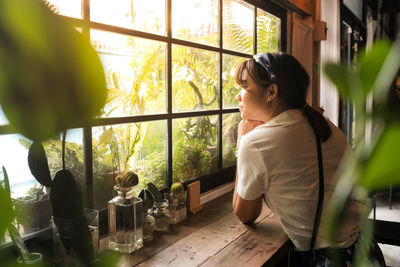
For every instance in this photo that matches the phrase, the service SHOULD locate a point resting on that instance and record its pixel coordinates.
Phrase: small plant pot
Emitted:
(37, 214)
(177, 207)
(162, 215)
(75, 241)
(34, 259)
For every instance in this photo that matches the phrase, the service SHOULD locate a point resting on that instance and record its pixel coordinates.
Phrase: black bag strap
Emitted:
(320, 193)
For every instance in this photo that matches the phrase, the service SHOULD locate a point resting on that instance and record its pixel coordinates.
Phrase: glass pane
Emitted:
(229, 87)
(238, 26)
(194, 147)
(137, 147)
(268, 32)
(229, 136)
(147, 16)
(194, 79)
(30, 199)
(71, 8)
(356, 6)
(195, 20)
(73, 155)
(135, 72)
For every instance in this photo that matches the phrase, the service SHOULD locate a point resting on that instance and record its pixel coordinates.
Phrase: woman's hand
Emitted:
(244, 127)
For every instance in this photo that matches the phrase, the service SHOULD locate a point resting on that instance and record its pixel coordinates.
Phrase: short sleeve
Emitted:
(252, 173)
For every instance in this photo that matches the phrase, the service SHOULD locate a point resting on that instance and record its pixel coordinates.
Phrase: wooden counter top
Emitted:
(213, 237)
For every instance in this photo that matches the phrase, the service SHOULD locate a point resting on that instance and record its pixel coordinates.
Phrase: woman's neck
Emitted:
(275, 108)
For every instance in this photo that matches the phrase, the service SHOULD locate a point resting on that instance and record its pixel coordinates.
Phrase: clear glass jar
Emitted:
(177, 206)
(32, 259)
(149, 224)
(162, 215)
(125, 221)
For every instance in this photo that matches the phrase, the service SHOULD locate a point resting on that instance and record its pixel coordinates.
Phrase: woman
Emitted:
(278, 162)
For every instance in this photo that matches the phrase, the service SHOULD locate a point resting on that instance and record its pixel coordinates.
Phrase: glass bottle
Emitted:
(177, 206)
(162, 215)
(149, 224)
(125, 221)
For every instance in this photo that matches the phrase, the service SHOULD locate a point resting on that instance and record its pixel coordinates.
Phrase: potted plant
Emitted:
(177, 200)
(25, 257)
(33, 211)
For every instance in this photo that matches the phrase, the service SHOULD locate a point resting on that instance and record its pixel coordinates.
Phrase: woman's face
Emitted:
(252, 99)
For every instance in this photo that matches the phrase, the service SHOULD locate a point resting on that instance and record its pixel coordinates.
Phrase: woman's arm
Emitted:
(246, 210)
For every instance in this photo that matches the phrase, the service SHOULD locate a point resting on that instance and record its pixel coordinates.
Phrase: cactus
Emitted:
(176, 188)
(127, 179)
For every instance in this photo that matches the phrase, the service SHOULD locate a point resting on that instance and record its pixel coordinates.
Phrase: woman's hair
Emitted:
(292, 80)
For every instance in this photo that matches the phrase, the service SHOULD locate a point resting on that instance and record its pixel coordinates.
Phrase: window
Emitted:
(171, 113)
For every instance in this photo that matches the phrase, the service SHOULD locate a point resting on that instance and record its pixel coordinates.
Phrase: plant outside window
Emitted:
(142, 63)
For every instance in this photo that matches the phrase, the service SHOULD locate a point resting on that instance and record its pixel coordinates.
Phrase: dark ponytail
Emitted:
(318, 122)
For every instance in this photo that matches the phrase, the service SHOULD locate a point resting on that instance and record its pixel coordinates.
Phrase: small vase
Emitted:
(125, 221)
(34, 259)
(149, 224)
(177, 206)
(162, 215)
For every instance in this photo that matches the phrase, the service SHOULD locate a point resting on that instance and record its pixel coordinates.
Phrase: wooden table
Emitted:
(213, 237)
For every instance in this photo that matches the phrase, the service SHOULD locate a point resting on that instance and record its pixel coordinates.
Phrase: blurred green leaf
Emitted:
(50, 76)
(6, 210)
(6, 182)
(107, 259)
(343, 78)
(383, 167)
(371, 64)
(106, 136)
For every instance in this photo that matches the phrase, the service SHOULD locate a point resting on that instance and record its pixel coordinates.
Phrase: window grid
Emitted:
(86, 25)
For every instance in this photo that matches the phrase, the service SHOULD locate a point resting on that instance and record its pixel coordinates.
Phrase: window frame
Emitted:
(210, 181)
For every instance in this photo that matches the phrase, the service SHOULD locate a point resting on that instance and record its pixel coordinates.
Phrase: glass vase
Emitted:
(149, 224)
(177, 206)
(162, 215)
(74, 240)
(125, 221)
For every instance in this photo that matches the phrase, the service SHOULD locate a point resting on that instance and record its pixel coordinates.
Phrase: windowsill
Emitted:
(214, 236)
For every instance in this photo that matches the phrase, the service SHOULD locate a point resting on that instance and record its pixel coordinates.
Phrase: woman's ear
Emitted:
(271, 92)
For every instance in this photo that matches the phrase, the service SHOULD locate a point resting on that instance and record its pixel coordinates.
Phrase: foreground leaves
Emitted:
(374, 165)
(51, 78)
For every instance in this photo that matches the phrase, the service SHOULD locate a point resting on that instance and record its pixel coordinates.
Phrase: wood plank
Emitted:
(305, 5)
(212, 211)
(254, 247)
(197, 247)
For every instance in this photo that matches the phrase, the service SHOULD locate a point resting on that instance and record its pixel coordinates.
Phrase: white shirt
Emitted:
(279, 160)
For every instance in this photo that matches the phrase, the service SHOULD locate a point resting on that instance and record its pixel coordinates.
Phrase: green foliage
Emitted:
(229, 133)
(374, 164)
(6, 209)
(195, 79)
(382, 168)
(63, 82)
(230, 88)
(267, 33)
(192, 159)
(153, 169)
(234, 36)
